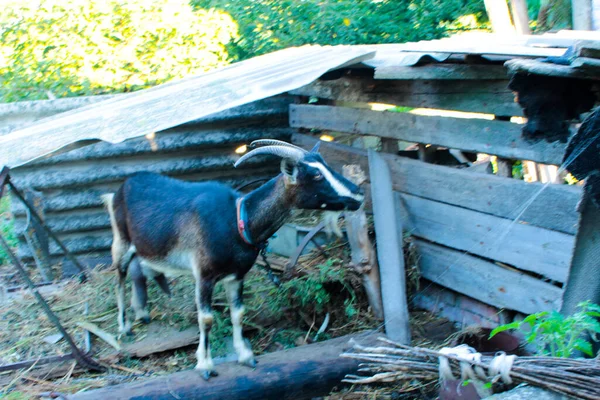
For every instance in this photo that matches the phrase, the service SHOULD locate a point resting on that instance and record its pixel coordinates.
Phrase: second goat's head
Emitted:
(316, 185)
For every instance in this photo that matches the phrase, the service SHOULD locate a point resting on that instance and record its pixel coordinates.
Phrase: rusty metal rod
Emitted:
(82, 359)
(35, 215)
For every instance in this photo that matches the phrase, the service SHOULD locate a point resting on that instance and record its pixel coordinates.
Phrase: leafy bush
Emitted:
(557, 335)
(268, 25)
(77, 47)
(88, 47)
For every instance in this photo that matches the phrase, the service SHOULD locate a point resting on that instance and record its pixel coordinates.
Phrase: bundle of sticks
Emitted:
(394, 362)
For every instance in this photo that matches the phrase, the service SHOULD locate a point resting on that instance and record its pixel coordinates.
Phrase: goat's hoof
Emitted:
(207, 374)
(251, 362)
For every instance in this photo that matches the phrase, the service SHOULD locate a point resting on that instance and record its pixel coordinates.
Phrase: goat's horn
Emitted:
(275, 142)
(281, 151)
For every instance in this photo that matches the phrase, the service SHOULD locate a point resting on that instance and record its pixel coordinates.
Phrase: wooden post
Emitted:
(36, 237)
(364, 258)
(497, 11)
(520, 16)
(389, 145)
(390, 254)
(583, 282)
(582, 14)
(504, 167)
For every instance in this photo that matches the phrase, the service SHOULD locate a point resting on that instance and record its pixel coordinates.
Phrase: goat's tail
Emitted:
(108, 200)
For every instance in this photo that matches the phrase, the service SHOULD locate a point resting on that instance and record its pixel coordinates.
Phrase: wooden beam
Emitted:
(443, 72)
(477, 135)
(389, 251)
(527, 247)
(485, 281)
(300, 373)
(483, 96)
(553, 207)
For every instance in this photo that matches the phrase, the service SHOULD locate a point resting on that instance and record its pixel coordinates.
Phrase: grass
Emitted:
(6, 228)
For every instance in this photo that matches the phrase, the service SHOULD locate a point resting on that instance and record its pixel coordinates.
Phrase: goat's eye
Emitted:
(318, 176)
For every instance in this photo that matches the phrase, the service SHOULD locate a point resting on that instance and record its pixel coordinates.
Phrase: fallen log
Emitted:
(300, 373)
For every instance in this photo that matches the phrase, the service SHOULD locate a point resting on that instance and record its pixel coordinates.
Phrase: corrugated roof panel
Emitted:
(175, 103)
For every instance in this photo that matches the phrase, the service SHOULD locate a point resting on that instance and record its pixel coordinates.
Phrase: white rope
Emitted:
(499, 368)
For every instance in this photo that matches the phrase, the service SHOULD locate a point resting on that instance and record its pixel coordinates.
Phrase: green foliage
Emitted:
(88, 47)
(309, 293)
(268, 25)
(77, 47)
(557, 335)
(6, 228)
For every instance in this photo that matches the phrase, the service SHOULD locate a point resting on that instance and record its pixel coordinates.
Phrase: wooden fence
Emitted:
(484, 242)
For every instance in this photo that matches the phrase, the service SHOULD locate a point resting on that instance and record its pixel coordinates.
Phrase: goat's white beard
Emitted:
(330, 218)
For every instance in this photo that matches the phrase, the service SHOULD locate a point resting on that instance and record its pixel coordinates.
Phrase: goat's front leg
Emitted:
(204, 290)
(234, 288)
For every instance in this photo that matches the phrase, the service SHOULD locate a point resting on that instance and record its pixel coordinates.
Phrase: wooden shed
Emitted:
(437, 111)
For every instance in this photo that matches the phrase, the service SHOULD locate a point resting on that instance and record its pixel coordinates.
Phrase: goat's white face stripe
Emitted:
(338, 186)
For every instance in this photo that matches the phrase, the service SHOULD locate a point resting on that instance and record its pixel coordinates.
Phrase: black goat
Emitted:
(214, 232)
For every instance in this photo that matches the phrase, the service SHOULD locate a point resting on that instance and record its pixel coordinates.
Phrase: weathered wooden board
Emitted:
(88, 197)
(527, 247)
(485, 281)
(478, 135)
(304, 372)
(552, 206)
(483, 96)
(389, 251)
(443, 72)
(542, 68)
(106, 171)
(456, 307)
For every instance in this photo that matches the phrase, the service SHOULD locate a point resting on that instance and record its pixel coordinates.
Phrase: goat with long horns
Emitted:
(172, 227)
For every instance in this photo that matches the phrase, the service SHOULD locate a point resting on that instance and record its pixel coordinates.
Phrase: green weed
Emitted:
(557, 335)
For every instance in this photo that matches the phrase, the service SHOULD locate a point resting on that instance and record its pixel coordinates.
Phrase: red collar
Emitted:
(241, 222)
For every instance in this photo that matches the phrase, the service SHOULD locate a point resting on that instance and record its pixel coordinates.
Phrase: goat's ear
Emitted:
(315, 148)
(289, 168)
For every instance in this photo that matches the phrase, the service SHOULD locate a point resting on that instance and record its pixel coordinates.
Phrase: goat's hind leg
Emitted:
(204, 290)
(139, 291)
(121, 260)
(234, 288)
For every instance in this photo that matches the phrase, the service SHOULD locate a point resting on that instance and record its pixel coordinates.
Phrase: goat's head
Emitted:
(315, 184)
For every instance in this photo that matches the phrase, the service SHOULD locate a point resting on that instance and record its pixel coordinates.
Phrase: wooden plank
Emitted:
(483, 96)
(300, 373)
(477, 135)
(442, 72)
(485, 281)
(543, 68)
(389, 251)
(457, 307)
(483, 47)
(547, 206)
(527, 247)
